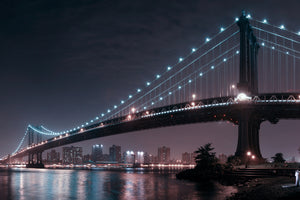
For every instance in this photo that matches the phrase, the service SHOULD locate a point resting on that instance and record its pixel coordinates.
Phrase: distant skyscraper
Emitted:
(97, 152)
(186, 158)
(129, 157)
(163, 154)
(115, 153)
(72, 155)
(53, 157)
(86, 158)
(139, 157)
(148, 158)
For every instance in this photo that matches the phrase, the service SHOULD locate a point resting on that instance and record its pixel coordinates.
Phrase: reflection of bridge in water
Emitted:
(217, 81)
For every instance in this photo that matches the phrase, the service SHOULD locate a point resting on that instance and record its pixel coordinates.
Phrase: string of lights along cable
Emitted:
(210, 70)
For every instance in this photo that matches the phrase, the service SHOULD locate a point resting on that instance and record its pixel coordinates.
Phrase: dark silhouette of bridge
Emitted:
(173, 100)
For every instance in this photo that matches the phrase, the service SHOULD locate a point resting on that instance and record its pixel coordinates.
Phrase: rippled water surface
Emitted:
(94, 184)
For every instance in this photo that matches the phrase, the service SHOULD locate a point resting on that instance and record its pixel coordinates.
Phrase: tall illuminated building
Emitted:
(97, 153)
(72, 155)
(164, 155)
(115, 153)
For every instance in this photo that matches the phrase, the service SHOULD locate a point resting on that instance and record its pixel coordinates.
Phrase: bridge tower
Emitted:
(248, 120)
(37, 162)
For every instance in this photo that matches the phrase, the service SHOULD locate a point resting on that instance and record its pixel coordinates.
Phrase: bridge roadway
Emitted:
(271, 107)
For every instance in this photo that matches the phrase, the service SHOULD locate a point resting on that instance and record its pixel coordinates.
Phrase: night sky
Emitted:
(64, 62)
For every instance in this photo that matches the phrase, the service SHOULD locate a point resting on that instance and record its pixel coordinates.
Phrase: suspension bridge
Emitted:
(246, 74)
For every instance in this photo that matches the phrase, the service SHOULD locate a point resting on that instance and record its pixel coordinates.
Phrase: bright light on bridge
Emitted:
(265, 21)
(133, 110)
(193, 96)
(242, 97)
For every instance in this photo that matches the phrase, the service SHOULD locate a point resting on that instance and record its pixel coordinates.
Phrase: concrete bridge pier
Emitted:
(39, 160)
(248, 137)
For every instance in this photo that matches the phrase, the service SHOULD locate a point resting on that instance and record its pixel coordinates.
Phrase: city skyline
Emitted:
(39, 85)
(97, 155)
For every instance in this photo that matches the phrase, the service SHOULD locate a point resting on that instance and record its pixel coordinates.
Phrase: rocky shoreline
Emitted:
(279, 187)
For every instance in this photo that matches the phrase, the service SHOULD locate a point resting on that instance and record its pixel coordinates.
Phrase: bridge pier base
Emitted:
(248, 137)
(38, 163)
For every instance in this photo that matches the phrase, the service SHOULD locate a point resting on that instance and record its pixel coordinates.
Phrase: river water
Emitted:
(35, 184)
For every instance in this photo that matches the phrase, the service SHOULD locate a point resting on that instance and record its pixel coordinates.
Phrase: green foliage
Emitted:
(278, 158)
(205, 158)
(234, 160)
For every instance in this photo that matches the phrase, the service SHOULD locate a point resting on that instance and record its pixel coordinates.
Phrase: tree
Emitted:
(278, 158)
(205, 158)
(234, 160)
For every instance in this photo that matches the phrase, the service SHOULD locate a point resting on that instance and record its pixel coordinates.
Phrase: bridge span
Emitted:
(230, 79)
(247, 112)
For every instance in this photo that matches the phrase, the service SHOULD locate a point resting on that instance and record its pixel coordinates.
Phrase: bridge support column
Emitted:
(38, 163)
(248, 137)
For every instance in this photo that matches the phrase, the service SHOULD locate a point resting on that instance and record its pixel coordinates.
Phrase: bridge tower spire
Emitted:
(248, 120)
(248, 82)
